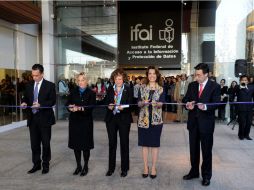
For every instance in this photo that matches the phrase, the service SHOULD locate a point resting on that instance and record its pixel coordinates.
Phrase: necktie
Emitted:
(35, 97)
(200, 90)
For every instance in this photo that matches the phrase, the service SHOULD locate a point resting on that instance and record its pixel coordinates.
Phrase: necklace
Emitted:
(152, 87)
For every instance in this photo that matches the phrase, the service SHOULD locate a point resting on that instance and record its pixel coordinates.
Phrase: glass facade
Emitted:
(86, 38)
(18, 52)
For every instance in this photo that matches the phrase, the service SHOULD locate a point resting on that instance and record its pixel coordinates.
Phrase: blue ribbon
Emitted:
(92, 106)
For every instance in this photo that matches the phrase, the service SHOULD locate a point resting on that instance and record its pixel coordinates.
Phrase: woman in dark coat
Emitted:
(224, 99)
(118, 118)
(81, 122)
(232, 98)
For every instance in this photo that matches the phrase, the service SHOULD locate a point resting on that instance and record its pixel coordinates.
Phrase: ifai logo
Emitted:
(143, 34)
(168, 33)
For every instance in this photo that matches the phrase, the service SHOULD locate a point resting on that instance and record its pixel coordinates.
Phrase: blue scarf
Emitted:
(117, 98)
(81, 90)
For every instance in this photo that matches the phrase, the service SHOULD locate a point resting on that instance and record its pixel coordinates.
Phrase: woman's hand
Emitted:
(159, 104)
(75, 108)
(120, 108)
(146, 102)
(80, 108)
(111, 106)
(143, 103)
(71, 107)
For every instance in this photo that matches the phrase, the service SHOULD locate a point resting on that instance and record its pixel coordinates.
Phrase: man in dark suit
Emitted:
(201, 122)
(40, 93)
(244, 93)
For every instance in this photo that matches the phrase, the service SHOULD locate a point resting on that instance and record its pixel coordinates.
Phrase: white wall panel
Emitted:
(26, 51)
(6, 48)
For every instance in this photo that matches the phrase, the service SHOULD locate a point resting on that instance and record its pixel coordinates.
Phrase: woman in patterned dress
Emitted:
(150, 122)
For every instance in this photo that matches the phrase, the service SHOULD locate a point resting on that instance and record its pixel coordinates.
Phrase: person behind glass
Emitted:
(244, 93)
(100, 87)
(211, 76)
(168, 94)
(251, 80)
(150, 123)
(135, 96)
(81, 122)
(39, 93)
(223, 99)
(118, 118)
(232, 98)
(172, 90)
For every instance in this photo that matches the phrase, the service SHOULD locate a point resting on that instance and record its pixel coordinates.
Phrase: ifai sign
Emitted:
(142, 34)
(149, 33)
(167, 34)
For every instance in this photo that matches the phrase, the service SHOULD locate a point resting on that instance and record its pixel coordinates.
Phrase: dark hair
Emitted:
(244, 76)
(231, 85)
(158, 75)
(202, 66)
(38, 67)
(117, 72)
(223, 80)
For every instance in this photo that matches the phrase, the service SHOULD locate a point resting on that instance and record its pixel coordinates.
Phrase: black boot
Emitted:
(78, 161)
(86, 155)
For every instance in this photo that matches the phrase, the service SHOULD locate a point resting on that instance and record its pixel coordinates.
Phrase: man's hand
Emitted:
(36, 105)
(201, 106)
(190, 105)
(23, 105)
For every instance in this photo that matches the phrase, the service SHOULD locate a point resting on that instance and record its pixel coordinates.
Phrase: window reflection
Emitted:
(87, 42)
(12, 86)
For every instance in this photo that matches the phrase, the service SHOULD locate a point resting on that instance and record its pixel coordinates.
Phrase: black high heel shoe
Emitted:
(153, 176)
(109, 173)
(145, 175)
(84, 171)
(77, 171)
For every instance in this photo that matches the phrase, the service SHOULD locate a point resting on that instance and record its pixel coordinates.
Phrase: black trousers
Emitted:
(221, 111)
(116, 124)
(244, 120)
(40, 135)
(233, 113)
(206, 140)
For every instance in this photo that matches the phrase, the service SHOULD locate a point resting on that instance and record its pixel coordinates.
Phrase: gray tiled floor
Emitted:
(233, 162)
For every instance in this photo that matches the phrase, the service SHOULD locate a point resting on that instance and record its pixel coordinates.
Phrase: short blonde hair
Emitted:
(83, 74)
